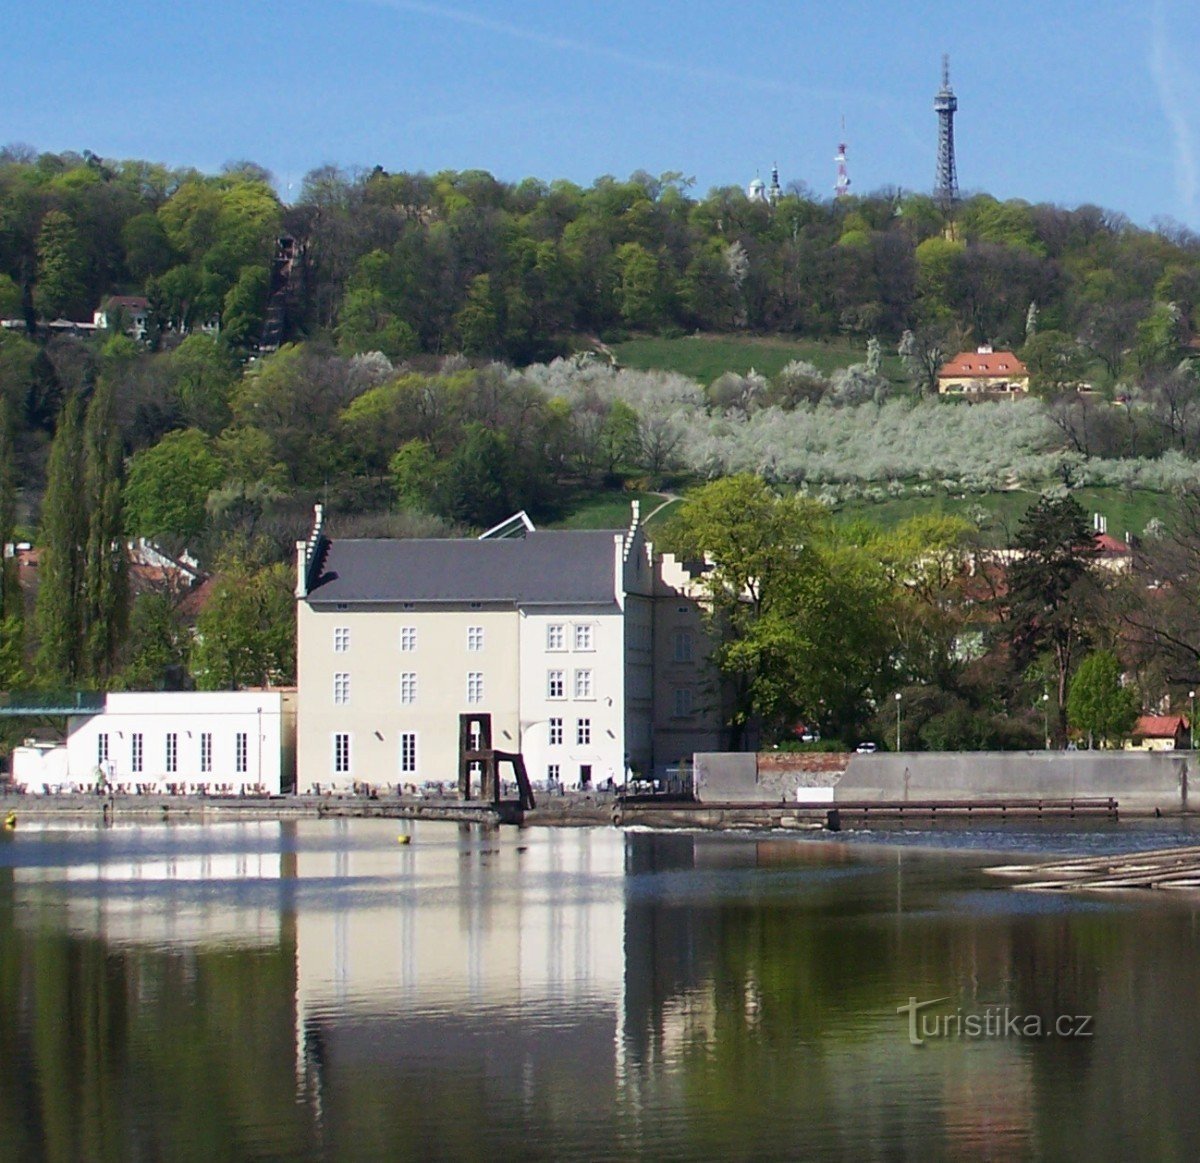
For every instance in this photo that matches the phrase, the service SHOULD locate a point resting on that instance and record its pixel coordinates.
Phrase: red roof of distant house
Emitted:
(134, 302)
(1160, 726)
(984, 364)
(1108, 544)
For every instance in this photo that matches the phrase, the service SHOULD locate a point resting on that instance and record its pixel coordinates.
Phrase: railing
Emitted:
(51, 702)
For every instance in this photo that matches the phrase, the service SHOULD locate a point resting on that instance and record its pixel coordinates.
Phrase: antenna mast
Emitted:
(944, 105)
(842, 188)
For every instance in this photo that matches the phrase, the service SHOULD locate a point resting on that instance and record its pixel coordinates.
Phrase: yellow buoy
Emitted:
(403, 839)
(10, 821)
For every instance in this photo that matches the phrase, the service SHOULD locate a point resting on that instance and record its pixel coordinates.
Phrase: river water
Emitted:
(318, 990)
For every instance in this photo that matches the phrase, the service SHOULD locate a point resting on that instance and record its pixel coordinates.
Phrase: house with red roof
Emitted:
(984, 372)
(1160, 733)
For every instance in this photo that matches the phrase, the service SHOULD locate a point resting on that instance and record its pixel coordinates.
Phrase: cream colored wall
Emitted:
(956, 384)
(374, 717)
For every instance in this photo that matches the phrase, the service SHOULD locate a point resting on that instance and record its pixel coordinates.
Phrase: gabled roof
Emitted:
(986, 364)
(543, 567)
(1160, 726)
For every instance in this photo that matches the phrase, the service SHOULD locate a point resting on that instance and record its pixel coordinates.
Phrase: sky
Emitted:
(1058, 101)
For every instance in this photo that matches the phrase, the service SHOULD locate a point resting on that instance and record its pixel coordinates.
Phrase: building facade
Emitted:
(556, 635)
(984, 372)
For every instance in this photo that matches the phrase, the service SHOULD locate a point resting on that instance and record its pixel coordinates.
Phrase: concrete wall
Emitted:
(1140, 782)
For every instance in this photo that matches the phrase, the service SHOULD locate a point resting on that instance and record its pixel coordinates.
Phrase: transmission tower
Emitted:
(944, 105)
(842, 188)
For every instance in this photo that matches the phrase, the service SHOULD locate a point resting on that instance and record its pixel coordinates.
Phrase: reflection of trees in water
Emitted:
(136, 1053)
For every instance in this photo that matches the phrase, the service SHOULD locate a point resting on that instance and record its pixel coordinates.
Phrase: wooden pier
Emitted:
(1162, 868)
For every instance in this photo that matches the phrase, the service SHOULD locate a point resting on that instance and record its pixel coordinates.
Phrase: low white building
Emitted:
(181, 742)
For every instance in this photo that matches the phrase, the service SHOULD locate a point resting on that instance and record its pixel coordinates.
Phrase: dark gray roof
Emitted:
(543, 567)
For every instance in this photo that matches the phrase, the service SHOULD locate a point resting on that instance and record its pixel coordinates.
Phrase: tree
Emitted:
(168, 485)
(245, 635)
(1054, 593)
(105, 564)
(797, 618)
(157, 648)
(1056, 363)
(1098, 704)
(60, 287)
(12, 618)
(60, 600)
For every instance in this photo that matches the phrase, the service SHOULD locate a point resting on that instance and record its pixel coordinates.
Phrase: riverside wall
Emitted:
(1142, 782)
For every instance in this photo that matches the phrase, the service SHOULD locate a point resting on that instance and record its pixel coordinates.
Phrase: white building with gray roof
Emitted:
(555, 634)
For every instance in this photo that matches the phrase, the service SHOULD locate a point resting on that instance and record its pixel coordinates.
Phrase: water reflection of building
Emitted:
(160, 885)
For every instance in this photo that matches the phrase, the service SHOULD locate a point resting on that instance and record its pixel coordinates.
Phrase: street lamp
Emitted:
(1046, 718)
(897, 720)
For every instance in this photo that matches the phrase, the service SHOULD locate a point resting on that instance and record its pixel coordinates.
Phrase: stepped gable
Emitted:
(545, 566)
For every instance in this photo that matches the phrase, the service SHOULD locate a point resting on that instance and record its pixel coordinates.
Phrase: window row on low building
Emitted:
(582, 686)
(201, 759)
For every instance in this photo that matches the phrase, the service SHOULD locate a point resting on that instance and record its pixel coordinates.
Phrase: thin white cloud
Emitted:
(1177, 95)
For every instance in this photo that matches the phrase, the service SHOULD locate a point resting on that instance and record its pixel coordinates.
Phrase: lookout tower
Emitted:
(945, 104)
(842, 188)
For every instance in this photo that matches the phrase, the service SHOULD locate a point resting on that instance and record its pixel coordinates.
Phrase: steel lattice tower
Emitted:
(944, 105)
(842, 189)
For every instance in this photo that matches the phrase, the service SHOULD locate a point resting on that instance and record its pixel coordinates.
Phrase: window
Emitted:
(341, 639)
(135, 753)
(583, 637)
(341, 754)
(683, 700)
(683, 609)
(408, 688)
(475, 687)
(408, 638)
(241, 751)
(555, 637)
(102, 748)
(683, 646)
(172, 752)
(583, 731)
(341, 689)
(555, 732)
(408, 605)
(408, 752)
(553, 773)
(474, 638)
(583, 684)
(206, 752)
(343, 605)
(476, 605)
(556, 687)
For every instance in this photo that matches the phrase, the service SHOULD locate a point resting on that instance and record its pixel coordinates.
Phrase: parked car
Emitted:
(867, 748)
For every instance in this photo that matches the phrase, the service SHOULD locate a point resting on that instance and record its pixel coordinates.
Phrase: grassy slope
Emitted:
(704, 357)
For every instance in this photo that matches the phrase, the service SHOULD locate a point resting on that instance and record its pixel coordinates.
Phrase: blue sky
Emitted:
(1059, 101)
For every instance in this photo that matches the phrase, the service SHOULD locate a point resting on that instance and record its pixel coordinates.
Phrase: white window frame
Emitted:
(341, 639)
(474, 687)
(583, 732)
(684, 705)
(172, 753)
(556, 636)
(556, 684)
(408, 688)
(408, 639)
(553, 772)
(341, 753)
(408, 752)
(102, 747)
(556, 732)
(206, 752)
(474, 639)
(583, 684)
(341, 688)
(241, 752)
(584, 637)
(137, 751)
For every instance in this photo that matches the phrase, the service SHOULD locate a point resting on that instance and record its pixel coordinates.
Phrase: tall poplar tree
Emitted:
(106, 566)
(60, 602)
(11, 612)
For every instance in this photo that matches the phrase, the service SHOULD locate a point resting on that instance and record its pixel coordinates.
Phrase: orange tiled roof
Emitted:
(1160, 726)
(984, 364)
